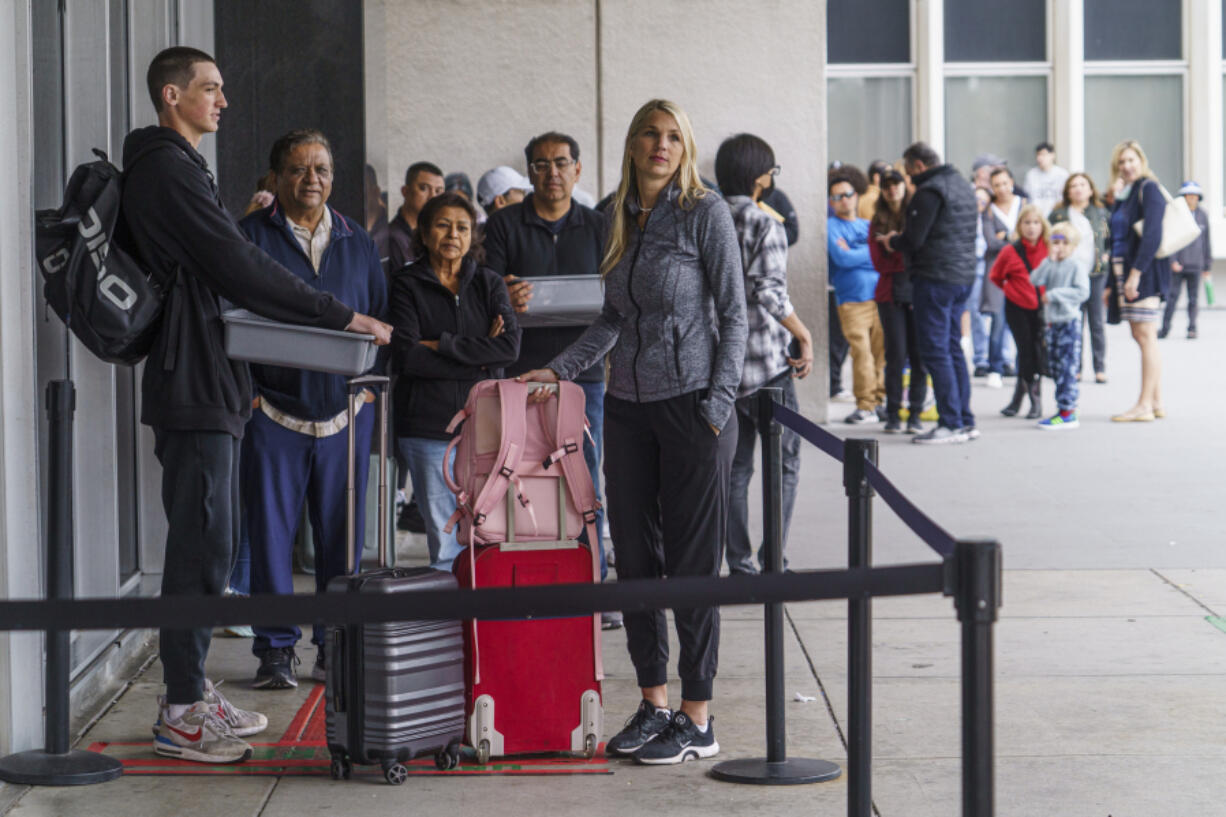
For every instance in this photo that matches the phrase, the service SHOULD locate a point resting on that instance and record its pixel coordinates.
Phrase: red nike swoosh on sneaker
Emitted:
(192, 736)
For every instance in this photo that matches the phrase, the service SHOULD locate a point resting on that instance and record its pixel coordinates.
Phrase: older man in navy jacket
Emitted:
(296, 447)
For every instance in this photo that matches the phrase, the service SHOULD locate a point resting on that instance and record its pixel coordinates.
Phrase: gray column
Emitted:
(21, 658)
(1203, 137)
(1067, 26)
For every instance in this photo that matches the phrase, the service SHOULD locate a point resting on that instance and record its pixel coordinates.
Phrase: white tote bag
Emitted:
(1179, 227)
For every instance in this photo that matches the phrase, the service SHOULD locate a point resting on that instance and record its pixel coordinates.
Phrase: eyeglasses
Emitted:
(774, 171)
(542, 166)
(841, 196)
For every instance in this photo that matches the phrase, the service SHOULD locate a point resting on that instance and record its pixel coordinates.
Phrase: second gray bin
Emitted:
(259, 340)
(563, 300)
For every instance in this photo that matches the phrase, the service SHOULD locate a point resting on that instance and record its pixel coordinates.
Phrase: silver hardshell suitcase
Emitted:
(395, 691)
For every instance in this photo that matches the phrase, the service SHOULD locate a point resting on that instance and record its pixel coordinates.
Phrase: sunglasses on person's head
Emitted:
(841, 196)
(1061, 237)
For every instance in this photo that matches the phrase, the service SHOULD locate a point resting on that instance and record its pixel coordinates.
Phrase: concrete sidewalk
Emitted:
(1111, 674)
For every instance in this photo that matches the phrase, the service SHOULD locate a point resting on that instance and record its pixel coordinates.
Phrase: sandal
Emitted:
(1131, 417)
(1100, 377)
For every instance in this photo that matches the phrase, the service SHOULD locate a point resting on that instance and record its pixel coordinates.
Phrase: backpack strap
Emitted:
(567, 439)
(512, 397)
(1020, 249)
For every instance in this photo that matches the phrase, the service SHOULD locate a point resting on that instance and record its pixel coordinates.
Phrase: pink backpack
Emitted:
(520, 475)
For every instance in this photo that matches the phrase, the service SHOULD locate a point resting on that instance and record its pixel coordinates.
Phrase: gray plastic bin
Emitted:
(259, 340)
(563, 300)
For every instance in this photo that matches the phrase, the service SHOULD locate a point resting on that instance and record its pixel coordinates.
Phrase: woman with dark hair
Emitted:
(1139, 279)
(454, 327)
(673, 326)
(744, 168)
(893, 297)
(1082, 207)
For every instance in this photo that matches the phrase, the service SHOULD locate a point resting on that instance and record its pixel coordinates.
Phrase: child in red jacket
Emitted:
(1011, 272)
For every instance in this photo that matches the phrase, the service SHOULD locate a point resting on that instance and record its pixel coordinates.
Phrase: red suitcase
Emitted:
(534, 685)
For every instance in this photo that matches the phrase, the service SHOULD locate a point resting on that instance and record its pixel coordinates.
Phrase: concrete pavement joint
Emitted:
(822, 687)
(1198, 602)
(276, 781)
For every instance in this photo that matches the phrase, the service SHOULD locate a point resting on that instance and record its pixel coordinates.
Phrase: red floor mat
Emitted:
(303, 751)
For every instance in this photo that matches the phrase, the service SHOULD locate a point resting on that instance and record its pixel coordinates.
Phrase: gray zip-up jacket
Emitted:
(673, 319)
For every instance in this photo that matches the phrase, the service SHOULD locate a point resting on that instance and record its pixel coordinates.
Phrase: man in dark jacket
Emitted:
(195, 398)
(550, 234)
(296, 447)
(940, 241)
(1189, 265)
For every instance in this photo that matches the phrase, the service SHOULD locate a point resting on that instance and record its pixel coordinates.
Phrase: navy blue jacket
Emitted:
(1144, 202)
(350, 270)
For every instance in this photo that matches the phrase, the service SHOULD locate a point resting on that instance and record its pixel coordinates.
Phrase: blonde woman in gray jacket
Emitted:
(674, 327)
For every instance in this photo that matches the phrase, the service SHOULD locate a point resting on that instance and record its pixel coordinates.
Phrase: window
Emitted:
(868, 31)
(1133, 30)
(868, 118)
(1146, 108)
(978, 31)
(1004, 115)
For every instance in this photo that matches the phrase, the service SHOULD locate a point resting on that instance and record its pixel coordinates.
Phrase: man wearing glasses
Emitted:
(548, 233)
(854, 279)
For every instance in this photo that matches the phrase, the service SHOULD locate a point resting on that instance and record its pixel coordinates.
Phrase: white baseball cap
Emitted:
(497, 182)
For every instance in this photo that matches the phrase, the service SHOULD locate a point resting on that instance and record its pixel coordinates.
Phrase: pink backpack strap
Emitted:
(567, 438)
(512, 398)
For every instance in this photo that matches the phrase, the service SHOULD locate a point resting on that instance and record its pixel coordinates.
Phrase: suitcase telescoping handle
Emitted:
(377, 384)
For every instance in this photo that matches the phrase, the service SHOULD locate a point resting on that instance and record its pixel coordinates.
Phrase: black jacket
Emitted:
(940, 234)
(176, 220)
(519, 242)
(432, 385)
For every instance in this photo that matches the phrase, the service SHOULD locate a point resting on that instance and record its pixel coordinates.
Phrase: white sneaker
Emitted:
(199, 735)
(843, 396)
(240, 721)
(995, 381)
(862, 416)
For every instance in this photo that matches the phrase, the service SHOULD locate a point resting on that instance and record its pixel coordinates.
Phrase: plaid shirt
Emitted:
(764, 256)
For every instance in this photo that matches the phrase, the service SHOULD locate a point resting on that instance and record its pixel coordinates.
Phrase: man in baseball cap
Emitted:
(501, 186)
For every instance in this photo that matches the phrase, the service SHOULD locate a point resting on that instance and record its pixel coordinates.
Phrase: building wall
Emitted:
(469, 82)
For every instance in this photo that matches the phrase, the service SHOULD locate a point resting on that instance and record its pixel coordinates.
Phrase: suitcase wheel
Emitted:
(449, 758)
(483, 752)
(341, 767)
(589, 746)
(395, 772)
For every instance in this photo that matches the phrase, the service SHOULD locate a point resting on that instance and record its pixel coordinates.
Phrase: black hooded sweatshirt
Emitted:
(179, 227)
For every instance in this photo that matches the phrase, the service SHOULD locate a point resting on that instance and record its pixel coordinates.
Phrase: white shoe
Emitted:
(995, 381)
(199, 735)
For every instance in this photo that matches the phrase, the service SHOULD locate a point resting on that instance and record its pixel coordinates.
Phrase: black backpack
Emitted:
(100, 289)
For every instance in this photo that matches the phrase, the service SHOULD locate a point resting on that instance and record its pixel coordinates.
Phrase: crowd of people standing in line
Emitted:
(696, 320)
(1041, 262)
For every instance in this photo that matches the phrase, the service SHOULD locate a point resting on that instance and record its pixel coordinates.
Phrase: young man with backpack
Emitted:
(196, 399)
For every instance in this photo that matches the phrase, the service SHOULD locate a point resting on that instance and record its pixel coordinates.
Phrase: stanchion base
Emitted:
(790, 772)
(77, 768)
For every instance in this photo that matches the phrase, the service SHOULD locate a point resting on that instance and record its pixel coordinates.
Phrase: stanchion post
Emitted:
(856, 453)
(977, 597)
(776, 768)
(57, 764)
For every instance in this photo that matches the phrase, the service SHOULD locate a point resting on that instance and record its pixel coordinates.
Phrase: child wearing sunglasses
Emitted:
(1064, 285)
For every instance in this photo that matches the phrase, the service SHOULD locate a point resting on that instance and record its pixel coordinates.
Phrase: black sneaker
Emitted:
(642, 726)
(893, 425)
(319, 672)
(410, 518)
(914, 424)
(611, 620)
(680, 741)
(277, 669)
